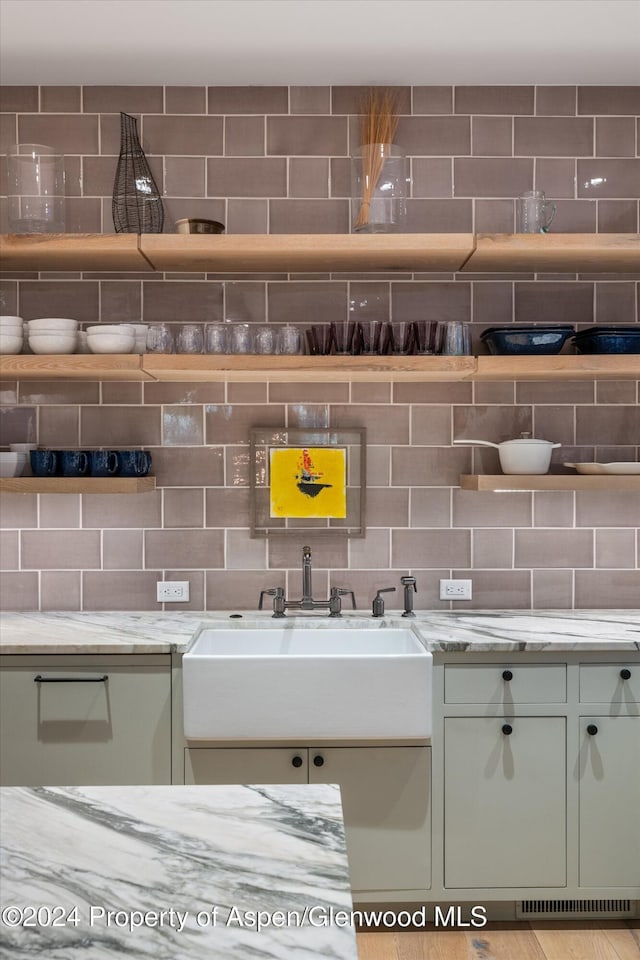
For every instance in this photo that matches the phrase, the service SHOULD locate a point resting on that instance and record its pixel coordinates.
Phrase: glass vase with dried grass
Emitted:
(379, 168)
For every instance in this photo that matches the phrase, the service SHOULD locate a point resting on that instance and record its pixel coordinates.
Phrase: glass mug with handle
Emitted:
(534, 213)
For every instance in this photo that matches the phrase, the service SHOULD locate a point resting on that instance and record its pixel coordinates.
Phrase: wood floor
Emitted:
(535, 940)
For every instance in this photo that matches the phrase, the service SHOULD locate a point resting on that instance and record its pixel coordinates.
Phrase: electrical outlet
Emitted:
(172, 591)
(455, 590)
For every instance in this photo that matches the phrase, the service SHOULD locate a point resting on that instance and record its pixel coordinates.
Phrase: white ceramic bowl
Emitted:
(11, 343)
(139, 329)
(52, 343)
(111, 328)
(110, 343)
(6, 320)
(50, 324)
(12, 464)
(23, 448)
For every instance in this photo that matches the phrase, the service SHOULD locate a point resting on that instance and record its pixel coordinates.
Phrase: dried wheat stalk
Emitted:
(378, 124)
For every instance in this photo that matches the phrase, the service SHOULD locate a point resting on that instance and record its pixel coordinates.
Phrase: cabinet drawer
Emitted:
(71, 726)
(505, 683)
(610, 682)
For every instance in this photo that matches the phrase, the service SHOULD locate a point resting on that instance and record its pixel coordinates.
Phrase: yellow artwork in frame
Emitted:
(309, 482)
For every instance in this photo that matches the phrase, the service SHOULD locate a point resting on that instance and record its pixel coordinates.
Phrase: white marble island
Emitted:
(174, 873)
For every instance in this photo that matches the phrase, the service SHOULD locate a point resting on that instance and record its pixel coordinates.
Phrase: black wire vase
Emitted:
(137, 204)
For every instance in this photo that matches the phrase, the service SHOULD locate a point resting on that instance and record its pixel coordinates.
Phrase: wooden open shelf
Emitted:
(555, 253)
(74, 366)
(332, 369)
(335, 253)
(77, 484)
(549, 481)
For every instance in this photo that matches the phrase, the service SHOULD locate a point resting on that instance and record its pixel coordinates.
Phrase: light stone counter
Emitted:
(198, 853)
(481, 631)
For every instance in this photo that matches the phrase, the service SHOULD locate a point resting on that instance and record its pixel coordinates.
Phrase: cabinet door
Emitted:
(505, 801)
(386, 801)
(245, 765)
(72, 727)
(609, 770)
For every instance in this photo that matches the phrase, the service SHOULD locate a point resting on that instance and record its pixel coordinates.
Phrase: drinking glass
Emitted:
(454, 338)
(344, 336)
(35, 189)
(319, 339)
(190, 339)
(289, 339)
(534, 213)
(217, 338)
(264, 340)
(241, 338)
(425, 336)
(402, 337)
(160, 338)
(370, 336)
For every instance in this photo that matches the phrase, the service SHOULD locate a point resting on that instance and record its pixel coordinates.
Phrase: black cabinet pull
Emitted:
(625, 674)
(40, 679)
(507, 675)
(318, 761)
(507, 729)
(296, 762)
(592, 729)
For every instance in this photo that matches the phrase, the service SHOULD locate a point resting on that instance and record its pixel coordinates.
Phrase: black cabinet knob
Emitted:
(507, 675)
(592, 729)
(625, 674)
(507, 729)
(296, 762)
(318, 761)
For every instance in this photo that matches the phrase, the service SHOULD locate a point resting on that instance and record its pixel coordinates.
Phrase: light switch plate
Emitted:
(172, 591)
(455, 589)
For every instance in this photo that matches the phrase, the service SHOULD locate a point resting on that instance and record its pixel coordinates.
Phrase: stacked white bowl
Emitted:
(11, 334)
(53, 335)
(140, 330)
(12, 464)
(111, 338)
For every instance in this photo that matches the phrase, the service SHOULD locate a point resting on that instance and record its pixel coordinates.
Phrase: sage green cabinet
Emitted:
(68, 720)
(385, 799)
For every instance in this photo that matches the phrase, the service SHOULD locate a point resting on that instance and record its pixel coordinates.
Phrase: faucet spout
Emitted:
(307, 589)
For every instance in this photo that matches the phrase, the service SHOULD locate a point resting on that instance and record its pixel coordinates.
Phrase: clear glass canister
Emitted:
(379, 185)
(35, 189)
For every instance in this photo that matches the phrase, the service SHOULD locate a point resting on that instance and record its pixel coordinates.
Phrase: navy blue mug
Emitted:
(134, 463)
(44, 463)
(74, 463)
(104, 463)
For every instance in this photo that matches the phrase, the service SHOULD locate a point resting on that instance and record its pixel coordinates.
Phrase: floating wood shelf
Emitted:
(251, 368)
(77, 484)
(318, 369)
(74, 366)
(549, 481)
(555, 253)
(309, 253)
(564, 366)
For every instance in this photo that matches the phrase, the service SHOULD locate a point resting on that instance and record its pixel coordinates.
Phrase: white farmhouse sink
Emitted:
(314, 682)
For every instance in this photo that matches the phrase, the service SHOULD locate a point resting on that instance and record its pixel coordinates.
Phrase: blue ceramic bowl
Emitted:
(543, 339)
(624, 339)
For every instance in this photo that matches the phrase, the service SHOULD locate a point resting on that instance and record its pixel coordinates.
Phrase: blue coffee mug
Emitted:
(44, 463)
(104, 463)
(74, 463)
(134, 463)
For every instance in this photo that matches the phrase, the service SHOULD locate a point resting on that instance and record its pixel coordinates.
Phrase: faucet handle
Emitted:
(378, 601)
(272, 592)
(339, 592)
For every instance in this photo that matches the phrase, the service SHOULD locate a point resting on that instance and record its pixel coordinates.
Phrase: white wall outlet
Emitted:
(455, 589)
(172, 591)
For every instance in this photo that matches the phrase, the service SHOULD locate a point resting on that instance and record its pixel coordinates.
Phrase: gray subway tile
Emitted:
(128, 99)
(306, 136)
(609, 100)
(180, 135)
(553, 136)
(494, 99)
(247, 177)
(608, 178)
(481, 177)
(258, 100)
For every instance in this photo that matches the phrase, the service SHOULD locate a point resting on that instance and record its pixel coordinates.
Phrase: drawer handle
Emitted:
(40, 679)
(507, 675)
(507, 729)
(592, 729)
(625, 674)
(318, 761)
(296, 762)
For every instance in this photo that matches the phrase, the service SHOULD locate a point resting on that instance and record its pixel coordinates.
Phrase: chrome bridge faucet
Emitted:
(306, 602)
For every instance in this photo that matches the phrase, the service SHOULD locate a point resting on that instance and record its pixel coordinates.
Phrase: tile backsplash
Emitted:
(276, 159)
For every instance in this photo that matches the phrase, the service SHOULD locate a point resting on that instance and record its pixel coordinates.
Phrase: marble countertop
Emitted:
(179, 871)
(478, 630)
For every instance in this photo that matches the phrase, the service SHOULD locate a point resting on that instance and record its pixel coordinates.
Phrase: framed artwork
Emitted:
(307, 480)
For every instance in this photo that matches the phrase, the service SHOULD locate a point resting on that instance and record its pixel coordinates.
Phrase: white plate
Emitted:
(621, 467)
